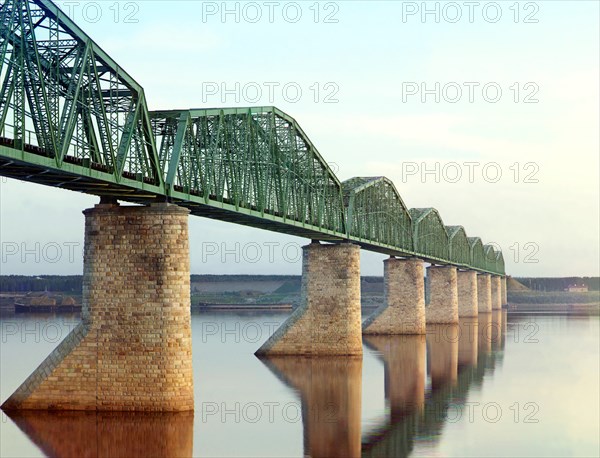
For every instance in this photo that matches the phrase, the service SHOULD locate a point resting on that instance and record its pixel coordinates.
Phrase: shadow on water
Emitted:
(115, 434)
(455, 357)
(330, 389)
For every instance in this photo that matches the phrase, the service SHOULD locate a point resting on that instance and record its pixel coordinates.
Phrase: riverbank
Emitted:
(238, 307)
(589, 309)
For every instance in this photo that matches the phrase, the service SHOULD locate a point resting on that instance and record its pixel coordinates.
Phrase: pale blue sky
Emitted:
(372, 57)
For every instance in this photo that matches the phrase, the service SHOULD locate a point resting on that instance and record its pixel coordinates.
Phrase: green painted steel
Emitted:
(253, 159)
(500, 268)
(459, 248)
(375, 212)
(429, 234)
(68, 100)
(491, 258)
(477, 253)
(71, 117)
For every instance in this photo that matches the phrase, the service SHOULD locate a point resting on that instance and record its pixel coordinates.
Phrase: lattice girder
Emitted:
(376, 212)
(429, 233)
(256, 159)
(63, 97)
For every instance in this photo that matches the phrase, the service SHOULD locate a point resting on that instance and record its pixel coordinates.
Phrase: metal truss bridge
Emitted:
(71, 117)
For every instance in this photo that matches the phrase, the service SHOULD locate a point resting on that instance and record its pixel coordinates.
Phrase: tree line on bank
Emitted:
(559, 284)
(73, 283)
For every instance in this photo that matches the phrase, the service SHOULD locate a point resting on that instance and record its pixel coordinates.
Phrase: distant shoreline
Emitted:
(237, 307)
(590, 309)
(583, 309)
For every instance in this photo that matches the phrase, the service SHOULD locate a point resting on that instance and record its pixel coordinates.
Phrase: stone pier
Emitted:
(443, 295)
(496, 292)
(467, 293)
(328, 320)
(504, 292)
(133, 349)
(403, 308)
(484, 293)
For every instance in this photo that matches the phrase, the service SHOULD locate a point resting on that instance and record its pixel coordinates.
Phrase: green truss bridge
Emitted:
(71, 117)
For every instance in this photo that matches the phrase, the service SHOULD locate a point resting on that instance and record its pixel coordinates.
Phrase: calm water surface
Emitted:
(493, 386)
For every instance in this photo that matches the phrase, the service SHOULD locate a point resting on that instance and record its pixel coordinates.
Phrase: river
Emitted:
(516, 385)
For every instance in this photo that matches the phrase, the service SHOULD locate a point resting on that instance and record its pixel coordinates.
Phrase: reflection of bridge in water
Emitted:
(102, 434)
(458, 358)
(330, 390)
(454, 357)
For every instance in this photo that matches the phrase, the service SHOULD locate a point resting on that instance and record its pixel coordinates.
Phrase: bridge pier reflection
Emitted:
(331, 391)
(403, 310)
(468, 342)
(499, 330)
(442, 354)
(485, 332)
(328, 320)
(458, 357)
(403, 359)
(101, 434)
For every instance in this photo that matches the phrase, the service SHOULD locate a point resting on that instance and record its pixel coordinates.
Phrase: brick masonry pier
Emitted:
(467, 293)
(403, 308)
(443, 295)
(328, 320)
(484, 293)
(133, 349)
(496, 292)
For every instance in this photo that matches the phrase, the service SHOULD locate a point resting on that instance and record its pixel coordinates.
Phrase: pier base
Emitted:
(403, 309)
(443, 295)
(328, 320)
(504, 292)
(484, 293)
(133, 349)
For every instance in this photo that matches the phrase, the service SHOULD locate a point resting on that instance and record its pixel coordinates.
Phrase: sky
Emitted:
(487, 111)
